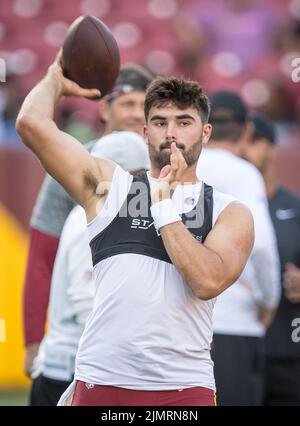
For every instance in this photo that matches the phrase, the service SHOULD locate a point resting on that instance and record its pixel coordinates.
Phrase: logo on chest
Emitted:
(198, 237)
(143, 224)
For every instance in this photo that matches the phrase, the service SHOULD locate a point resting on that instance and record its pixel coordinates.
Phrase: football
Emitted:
(91, 55)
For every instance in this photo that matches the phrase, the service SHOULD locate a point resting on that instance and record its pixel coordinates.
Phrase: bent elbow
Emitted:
(206, 295)
(209, 291)
(25, 126)
(213, 288)
(22, 122)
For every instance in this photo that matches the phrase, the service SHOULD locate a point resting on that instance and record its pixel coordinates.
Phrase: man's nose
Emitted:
(171, 132)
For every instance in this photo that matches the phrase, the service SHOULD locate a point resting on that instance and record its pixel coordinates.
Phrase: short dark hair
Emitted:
(226, 129)
(134, 75)
(182, 93)
(264, 128)
(228, 116)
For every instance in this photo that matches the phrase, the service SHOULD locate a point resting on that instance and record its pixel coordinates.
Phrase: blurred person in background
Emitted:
(76, 124)
(276, 70)
(122, 110)
(245, 28)
(72, 285)
(244, 311)
(10, 102)
(282, 361)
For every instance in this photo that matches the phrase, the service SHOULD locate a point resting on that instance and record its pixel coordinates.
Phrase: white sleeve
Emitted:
(81, 287)
(264, 256)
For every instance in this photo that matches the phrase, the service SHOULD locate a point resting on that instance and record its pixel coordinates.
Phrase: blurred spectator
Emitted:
(244, 311)
(77, 124)
(282, 369)
(245, 46)
(10, 102)
(276, 71)
(243, 28)
(72, 284)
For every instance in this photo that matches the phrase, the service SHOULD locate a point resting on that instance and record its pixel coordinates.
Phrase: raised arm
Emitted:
(63, 157)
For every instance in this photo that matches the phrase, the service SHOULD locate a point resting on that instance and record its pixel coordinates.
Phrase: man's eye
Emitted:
(160, 123)
(184, 123)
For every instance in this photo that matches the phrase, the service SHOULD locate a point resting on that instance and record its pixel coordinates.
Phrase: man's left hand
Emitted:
(170, 176)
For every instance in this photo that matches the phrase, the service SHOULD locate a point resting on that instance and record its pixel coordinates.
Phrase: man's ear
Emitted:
(104, 111)
(146, 134)
(206, 133)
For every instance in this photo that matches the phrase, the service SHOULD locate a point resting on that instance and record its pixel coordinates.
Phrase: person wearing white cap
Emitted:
(72, 285)
(127, 149)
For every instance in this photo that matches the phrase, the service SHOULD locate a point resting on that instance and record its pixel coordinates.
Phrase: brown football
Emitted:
(91, 55)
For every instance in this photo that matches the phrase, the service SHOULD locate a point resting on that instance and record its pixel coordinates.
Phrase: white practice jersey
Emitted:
(147, 330)
(71, 298)
(235, 312)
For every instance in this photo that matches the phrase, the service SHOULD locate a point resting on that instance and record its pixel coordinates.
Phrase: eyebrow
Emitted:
(178, 117)
(185, 117)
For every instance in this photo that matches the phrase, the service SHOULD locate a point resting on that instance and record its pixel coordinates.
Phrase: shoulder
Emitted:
(237, 209)
(237, 217)
(233, 233)
(220, 202)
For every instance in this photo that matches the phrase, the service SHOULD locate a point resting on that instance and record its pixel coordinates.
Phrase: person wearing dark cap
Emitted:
(242, 312)
(282, 347)
(121, 110)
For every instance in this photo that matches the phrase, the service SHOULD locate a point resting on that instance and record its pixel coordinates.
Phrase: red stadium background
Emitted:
(205, 40)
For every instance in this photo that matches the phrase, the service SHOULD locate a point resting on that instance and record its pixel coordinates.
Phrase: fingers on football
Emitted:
(73, 89)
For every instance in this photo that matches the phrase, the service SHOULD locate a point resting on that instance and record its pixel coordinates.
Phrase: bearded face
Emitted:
(160, 156)
(167, 124)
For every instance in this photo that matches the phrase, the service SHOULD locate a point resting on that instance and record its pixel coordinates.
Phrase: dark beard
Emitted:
(161, 158)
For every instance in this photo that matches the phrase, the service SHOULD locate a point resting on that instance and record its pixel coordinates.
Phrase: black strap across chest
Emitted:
(133, 231)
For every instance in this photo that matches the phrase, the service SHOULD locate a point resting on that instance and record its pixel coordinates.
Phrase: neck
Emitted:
(189, 175)
(271, 182)
(234, 148)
